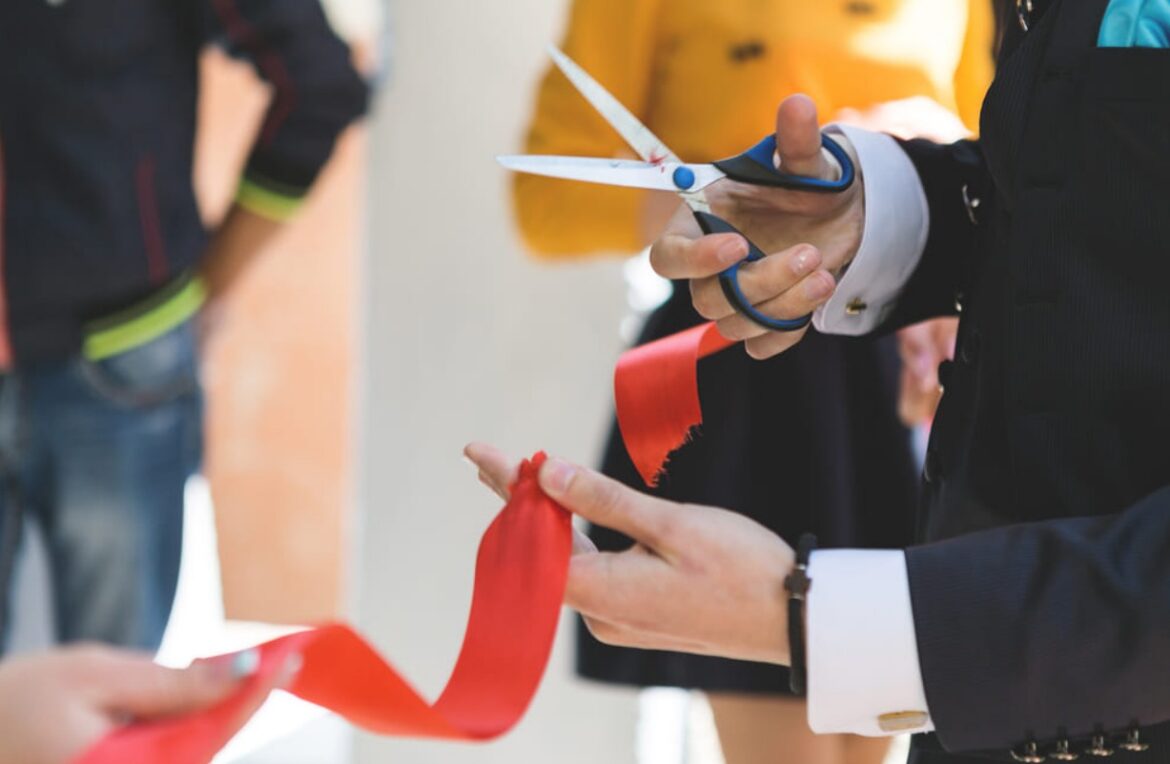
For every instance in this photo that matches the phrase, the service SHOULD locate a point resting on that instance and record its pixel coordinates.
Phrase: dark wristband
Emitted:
(797, 585)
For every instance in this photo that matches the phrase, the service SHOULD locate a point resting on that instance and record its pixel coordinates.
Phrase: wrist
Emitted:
(775, 645)
(854, 216)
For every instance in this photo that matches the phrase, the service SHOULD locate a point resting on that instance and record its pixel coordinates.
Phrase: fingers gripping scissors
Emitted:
(662, 170)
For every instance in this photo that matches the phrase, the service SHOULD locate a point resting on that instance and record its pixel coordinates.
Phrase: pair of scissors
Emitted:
(662, 170)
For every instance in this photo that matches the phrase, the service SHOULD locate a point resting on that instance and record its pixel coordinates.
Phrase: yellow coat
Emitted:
(706, 77)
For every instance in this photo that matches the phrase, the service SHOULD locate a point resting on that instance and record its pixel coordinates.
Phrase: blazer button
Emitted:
(972, 343)
(860, 8)
(1133, 741)
(972, 203)
(1098, 748)
(1024, 10)
(945, 369)
(1029, 753)
(1062, 753)
(931, 467)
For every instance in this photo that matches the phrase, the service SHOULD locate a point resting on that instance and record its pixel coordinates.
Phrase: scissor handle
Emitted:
(729, 280)
(756, 166)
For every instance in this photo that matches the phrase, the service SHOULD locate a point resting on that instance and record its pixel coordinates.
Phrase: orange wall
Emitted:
(280, 372)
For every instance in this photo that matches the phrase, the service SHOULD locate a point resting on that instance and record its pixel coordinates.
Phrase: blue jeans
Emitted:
(98, 453)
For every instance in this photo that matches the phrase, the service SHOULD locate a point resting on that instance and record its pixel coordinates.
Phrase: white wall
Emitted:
(469, 339)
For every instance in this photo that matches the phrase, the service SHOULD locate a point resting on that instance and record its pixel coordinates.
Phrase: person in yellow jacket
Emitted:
(705, 77)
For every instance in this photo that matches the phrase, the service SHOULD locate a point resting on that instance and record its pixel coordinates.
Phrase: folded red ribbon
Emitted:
(520, 580)
(656, 389)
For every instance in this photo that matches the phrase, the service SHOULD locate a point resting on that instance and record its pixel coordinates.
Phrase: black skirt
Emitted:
(805, 442)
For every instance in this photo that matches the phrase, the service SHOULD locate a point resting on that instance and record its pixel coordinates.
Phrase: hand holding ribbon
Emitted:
(698, 579)
(519, 585)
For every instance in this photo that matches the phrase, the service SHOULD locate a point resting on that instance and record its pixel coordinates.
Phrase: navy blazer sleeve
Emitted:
(316, 90)
(1046, 629)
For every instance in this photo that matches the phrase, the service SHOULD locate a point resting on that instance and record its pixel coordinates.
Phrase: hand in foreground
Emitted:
(922, 348)
(811, 238)
(55, 705)
(698, 579)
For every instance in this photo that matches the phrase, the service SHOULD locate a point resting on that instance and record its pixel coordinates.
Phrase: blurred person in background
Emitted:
(706, 78)
(105, 266)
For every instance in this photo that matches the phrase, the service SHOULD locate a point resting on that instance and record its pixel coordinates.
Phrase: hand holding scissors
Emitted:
(810, 238)
(733, 280)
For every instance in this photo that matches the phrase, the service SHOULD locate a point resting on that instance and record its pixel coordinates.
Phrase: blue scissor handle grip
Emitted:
(730, 282)
(756, 166)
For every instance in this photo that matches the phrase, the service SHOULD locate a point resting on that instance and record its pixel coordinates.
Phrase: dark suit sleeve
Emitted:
(1046, 629)
(316, 90)
(950, 176)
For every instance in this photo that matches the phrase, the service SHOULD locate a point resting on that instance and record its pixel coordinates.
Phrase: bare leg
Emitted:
(763, 729)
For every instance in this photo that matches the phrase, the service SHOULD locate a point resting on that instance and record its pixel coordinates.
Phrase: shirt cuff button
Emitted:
(903, 721)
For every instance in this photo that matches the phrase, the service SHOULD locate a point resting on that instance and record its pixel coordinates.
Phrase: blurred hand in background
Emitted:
(922, 348)
(906, 118)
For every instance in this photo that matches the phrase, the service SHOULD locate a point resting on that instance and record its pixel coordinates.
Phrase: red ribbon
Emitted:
(520, 580)
(656, 388)
(520, 577)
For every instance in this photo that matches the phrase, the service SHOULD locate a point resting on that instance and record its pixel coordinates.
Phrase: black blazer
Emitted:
(1042, 593)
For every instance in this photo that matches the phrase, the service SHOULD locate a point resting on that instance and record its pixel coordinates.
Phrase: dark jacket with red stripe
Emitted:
(97, 129)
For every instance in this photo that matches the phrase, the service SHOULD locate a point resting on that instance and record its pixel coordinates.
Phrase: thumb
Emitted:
(607, 503)
(144, 690)
(798, 139)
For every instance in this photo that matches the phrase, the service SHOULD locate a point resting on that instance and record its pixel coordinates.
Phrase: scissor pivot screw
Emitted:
(684, 178)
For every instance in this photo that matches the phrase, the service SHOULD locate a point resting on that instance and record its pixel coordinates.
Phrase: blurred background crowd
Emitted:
(376, 292)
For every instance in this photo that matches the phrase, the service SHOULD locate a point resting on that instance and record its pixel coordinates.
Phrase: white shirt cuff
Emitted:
(863, 671)
(897, 222)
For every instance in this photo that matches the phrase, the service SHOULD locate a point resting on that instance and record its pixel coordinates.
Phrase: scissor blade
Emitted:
(644, 143)
(610, 172)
